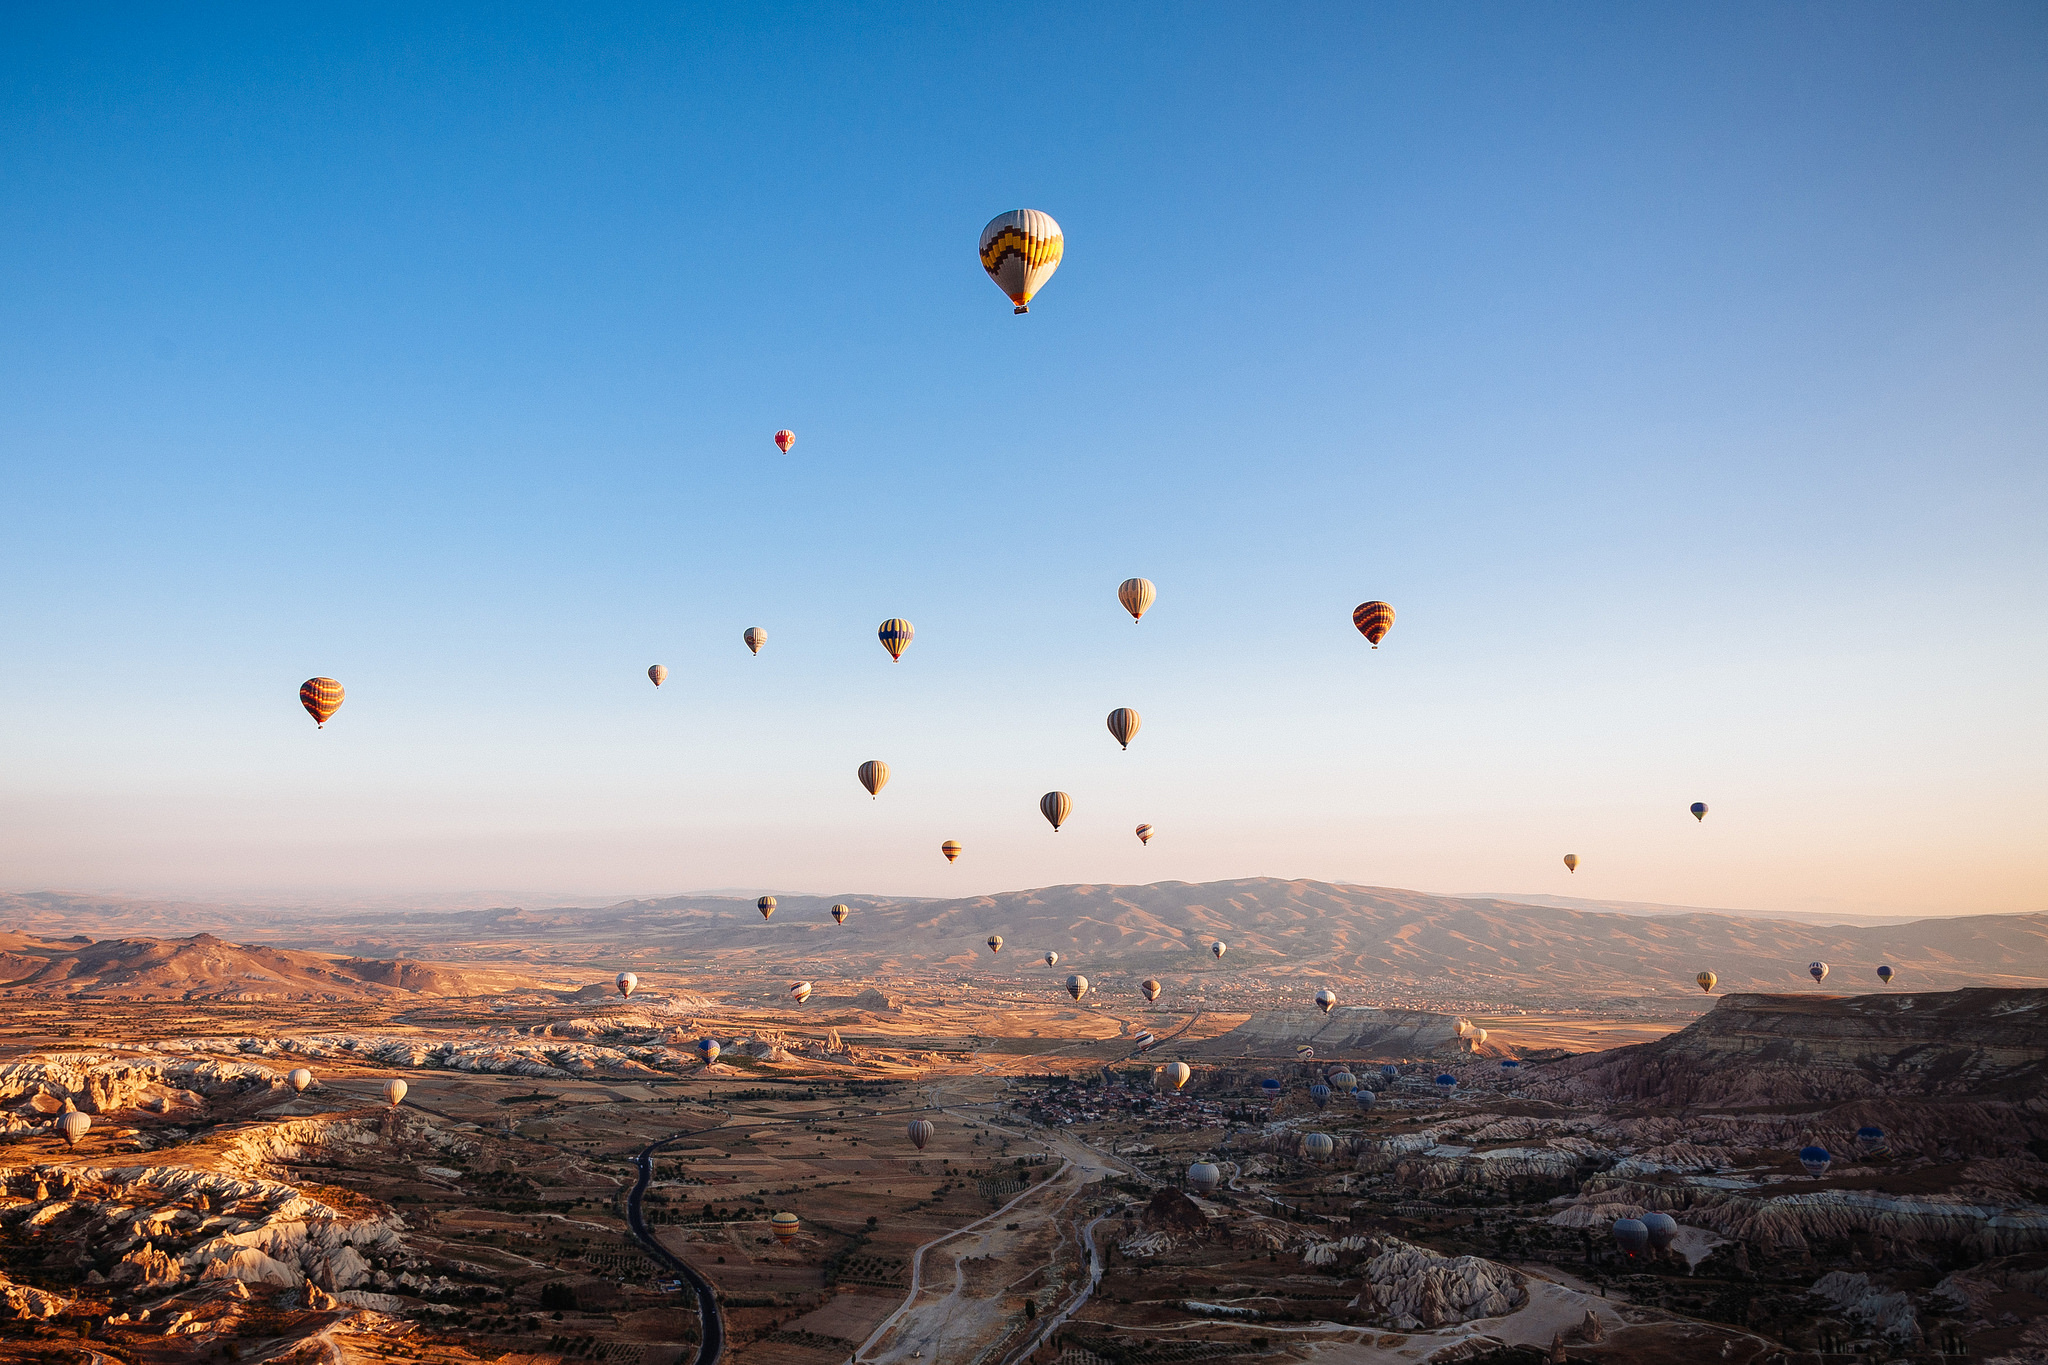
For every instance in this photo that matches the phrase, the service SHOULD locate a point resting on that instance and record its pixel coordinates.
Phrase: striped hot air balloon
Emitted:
(755, 638)
(1317, 1146)
(1020, 250)
(74, 1127)
(1077, 985)
(800, 991)
(1699, 810)
(766, 905)
(951, 848)
(784, 1226)
(784, 439)
(321, 697)
(839, 914)
(299, 1079)
(1706, 980)
(658, 673)
(920, 1131)
(995, 943)
(1056, 807)
(1571, 862)
(1150, 987)
(874, 775)
(1123, 725)
(895, 634)
(1374, 620)
(1137, 595)
(1144, 834)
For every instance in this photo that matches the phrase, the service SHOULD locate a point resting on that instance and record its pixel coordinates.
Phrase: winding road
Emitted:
(712, 1350)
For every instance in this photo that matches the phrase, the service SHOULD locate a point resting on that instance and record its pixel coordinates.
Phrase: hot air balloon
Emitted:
(1326, 1000)
(1389, 1071)
(1479, 1036)
(1818, 971)
(1317, 1146)
(1869, 1138)
(299, 1079)
(1571, 862)
(800, 991)
(1056, 807)
(1631, 1236)
(1815, 1159)
(1270, 1086)
(1304, 1053)
(626, 982)
(1706, 980)
(1052, 959)
(1175, 1074)
(1144, 1041)
(1077, 985)
(766, 905)
(394, 1092)
(1885, 974)
(839, 914)
(659, 673)
(1137, 595)
(1366, 1099)
(1699, 810)
(708, 1049)
(1150, 987)
(951, 848)
(1319, 1095)
(1219, 947)
(1144, 834)
(784, 439)
(755, 638)
(921, 1132)
(321, 697)
(995, 943)
(1374, 620)
(1203, 1177)
(874, 775)
(1446, 1083)
(1662, 1227)
(1344, 1081)
(1509, 1064)
(784, 1226)
(895, 635)
(1123, 725)
(1020, 250)
(74, 1126)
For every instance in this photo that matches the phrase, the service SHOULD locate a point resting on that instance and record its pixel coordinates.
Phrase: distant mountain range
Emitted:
(1383, 938)
(204, 967)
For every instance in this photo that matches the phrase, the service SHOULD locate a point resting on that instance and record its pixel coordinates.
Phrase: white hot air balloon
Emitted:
(1052, 959)
(394, 1091)
(800, 991)
(74, 1126)
(300, 1079)
(627, 984)
(1203, 1177)
(1219, 947)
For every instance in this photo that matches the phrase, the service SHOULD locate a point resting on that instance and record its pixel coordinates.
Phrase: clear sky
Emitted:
(1679, 373)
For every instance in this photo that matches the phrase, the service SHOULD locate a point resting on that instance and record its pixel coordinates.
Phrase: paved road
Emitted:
(713, 1322)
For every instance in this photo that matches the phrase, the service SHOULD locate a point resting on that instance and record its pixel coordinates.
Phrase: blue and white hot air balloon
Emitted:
(1319, 1095)
(1815, 1159)
(1446, 1083)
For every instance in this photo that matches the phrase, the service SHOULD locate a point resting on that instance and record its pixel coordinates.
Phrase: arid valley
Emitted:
(1433, 1169)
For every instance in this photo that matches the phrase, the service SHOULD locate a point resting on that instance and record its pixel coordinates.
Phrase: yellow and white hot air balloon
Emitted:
(1137, 595)
(299, 1079)
(74, 1127)
(394, 1091)
(874, 775)
(1144, 834)
(951, 848)
(1123, 725)
(1020, 250)
(800, 991)
(1056, 807)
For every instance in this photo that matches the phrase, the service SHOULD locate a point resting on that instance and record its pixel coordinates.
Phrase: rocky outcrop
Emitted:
(20, 1301)
(875, 1002)
(1888, 1313)
(1350, 1030)
(1413, 1287)
(541, 1057)
(103, 1083)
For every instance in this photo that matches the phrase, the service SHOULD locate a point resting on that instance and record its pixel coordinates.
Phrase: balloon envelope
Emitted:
(1077, 985)
(1366, 1098)
(755, 638)
(1631, 1236)
(1317, 1146)
(74, 1126)
(1123, 725)
(300, 1078)
(1374, 620)
(1571, 862)
(321, 697)
(1885, 974)
(1662, 1228)
(1817, 970)
(1137, 595)
(1144, 834)
(1219, 947)
(1699, 810)
(1815, 1160)
(784, 439)
(1326, 1000)
(839, 913)
(626, 983)
(1345, 1081)
(708, 1049)
(800, 991)
(1177, 1074)
(1020, 250)
(895, 634)
(1150, 987)
(1056, 807)
(921, 1132)
(394, 1091)
(995, 943)
(659, 673)
(1203, 1177)
(784, 1226)
(1870, 1137)
(951, 848)
(1052, 959)
(1270, 1086)
(766, 905)
(1706, 980)
(1447, 1082)
(1319, 1095)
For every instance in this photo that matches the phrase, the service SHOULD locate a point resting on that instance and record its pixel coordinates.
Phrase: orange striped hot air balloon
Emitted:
(1374, 620)
(951, 848)
(1571, 862)
(1020, 250)
(784, 1226)
(784, 439)
(895, 634)
(1123, 724)
(1056, 807)
(321, 697)
(874, 775)
(1137, 595)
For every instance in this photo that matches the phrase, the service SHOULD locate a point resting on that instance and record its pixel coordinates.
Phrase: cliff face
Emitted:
(1779, 1049)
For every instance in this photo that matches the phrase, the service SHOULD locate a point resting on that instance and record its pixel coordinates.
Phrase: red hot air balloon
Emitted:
(321, 697)
(784, 439)
(1374, 620)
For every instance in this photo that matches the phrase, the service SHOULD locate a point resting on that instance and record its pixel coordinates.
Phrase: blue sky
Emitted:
(1679, 377)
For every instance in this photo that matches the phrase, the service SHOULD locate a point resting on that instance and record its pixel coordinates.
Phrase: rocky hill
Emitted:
(1348, 1031)
(203, 967)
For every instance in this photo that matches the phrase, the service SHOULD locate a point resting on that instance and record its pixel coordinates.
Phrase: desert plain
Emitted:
(1430, 1170)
